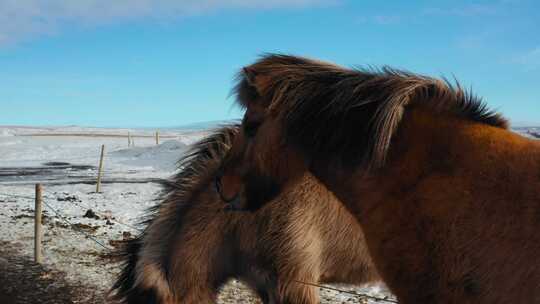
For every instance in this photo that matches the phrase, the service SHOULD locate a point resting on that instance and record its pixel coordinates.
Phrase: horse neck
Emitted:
(426, 145)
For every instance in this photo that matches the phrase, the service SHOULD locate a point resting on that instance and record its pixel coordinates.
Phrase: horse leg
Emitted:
(293, 291)
(297, 293)
(198, 295)
(266, 296)
(193, 285)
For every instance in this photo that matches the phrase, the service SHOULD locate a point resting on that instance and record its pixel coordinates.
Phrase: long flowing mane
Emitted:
(329, 110)
(196, 169)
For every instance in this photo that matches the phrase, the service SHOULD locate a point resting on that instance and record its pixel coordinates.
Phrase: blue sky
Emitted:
(163, 63)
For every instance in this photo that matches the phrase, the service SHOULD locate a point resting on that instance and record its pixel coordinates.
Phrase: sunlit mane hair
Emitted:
(200, 162)
(328, 110)
(162, 221)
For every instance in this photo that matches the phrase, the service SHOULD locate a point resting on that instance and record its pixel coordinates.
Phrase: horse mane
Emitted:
(196, 168)
(329, 110)
(200, 163)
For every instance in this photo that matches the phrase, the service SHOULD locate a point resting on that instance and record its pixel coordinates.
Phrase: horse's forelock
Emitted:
(209, 150)
(271, 73)
(327, 109)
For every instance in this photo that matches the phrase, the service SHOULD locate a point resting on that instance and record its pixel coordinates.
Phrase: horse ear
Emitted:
(255, 79)
(250, 75)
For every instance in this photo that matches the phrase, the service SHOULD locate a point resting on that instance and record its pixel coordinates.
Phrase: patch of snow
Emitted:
(65, 247)
(6, 132)
(530, 132)
(160, 157)
(119, 207)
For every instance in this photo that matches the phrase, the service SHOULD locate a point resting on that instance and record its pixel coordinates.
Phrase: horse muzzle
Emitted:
(231, 204)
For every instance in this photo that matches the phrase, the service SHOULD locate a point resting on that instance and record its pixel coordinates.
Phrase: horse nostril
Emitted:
(236, 203)
(219, 189)
(233, 205)
(218, 184)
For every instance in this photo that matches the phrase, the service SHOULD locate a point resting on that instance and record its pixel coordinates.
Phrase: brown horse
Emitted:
(190, 247)
(447, 196)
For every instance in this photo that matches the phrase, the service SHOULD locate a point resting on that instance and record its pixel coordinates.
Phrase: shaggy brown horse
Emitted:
(447, 196)
(190, 248)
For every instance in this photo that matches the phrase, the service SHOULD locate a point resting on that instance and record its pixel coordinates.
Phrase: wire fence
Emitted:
(61, 167)
(359, 295)
(63, 218)
(109, 217)
(109, 249)
(49, 197)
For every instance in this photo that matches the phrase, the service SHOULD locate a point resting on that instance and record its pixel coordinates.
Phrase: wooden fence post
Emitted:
(38, 257)
(157, 137)
(100, 170)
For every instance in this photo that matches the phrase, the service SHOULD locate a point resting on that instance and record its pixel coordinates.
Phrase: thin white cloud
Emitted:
(466, 11)
(470, 10)
(22, 19)
(381, 19)
(387, 19)
(530, 60)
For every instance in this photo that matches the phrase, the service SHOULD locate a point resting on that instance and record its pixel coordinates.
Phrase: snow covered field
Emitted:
(27, 156)
(66, 163)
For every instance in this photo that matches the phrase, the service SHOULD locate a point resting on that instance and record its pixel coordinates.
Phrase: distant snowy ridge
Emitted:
(187, 133)
(84, 131)
(206, 125)
(160, 157)
(531, 132)
(80, 130)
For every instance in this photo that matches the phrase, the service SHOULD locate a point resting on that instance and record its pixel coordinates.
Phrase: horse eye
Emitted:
(250, 129)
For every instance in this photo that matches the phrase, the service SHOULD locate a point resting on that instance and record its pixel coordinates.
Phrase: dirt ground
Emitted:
(23, 281)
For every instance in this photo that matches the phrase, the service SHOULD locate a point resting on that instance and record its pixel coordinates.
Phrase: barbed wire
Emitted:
(80, 205)
(65, 220)
(363, 295)
(107, 216)
(17, 196)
